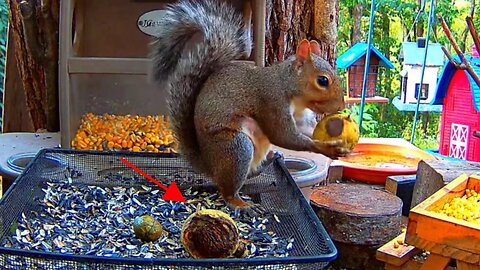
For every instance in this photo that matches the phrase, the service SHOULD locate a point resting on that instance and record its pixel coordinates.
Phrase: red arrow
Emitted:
(172, 193)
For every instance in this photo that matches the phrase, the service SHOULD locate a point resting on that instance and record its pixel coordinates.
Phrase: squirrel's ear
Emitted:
(303, 50)
(315, 47)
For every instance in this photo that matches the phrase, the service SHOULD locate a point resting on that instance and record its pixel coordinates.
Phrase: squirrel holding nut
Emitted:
(226, 114)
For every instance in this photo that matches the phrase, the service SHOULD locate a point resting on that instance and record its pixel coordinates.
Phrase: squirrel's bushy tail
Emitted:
(196, 38)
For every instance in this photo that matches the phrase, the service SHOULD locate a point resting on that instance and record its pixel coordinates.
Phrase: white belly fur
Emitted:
(260, 142)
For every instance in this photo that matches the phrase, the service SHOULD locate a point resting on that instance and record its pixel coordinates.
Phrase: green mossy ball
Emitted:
(146, 228)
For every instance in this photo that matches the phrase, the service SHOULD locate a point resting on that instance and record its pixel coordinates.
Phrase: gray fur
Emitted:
(196, 39)
(211, 99)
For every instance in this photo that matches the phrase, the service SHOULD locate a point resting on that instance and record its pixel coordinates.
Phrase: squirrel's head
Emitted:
(320, 88)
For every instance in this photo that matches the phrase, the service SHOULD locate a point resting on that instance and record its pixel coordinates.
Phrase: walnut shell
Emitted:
(146, 228)
(210, 233)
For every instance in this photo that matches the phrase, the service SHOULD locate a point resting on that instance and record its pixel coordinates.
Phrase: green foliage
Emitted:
(393, 24)
(369, 124)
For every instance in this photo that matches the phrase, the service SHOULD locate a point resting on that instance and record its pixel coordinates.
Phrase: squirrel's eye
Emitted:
(322, 81)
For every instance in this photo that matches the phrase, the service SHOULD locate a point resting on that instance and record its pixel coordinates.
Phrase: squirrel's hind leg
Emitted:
(231, 170)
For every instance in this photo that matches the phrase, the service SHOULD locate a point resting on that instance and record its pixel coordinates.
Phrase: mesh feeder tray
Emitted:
(79, 216)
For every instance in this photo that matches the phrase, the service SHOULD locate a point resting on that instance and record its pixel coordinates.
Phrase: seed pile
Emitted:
(95, 220)
(466, 207)
(124, 132)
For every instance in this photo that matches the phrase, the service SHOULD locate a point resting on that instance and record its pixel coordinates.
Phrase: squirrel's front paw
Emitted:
(252, 210)
(332, 149)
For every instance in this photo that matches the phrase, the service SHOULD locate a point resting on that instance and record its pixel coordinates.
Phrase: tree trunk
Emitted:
(356, 35)
(34, 26)
(425, 124)
(290, 21)
(326, 24)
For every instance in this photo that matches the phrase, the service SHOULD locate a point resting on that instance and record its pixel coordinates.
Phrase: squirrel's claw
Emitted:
(253, 210)
(250, 210)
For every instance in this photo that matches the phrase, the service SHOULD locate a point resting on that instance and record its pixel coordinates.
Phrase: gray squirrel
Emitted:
(227, 114)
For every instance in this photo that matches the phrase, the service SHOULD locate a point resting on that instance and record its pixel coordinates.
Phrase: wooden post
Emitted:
(259, 22)
(402, 186)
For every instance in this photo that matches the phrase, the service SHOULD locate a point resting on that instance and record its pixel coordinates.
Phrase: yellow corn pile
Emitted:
(124, 132)
(466, 207)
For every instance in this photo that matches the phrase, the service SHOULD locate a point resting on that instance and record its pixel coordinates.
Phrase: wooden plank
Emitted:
(402, 186)
(335, 173)
(65, 51)
(435, 261)
(396, 256)
(444, 249)
(432, 175)
(466, 266)
(410, 265)
(353, 100)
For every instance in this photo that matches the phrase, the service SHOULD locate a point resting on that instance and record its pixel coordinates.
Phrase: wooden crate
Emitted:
(441, 235)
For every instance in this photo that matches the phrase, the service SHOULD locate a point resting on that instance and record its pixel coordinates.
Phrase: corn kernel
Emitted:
(466, 207)
(126, 132)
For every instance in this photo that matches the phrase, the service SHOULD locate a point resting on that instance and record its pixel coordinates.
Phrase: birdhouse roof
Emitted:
(413, 55)
(447, 75)
(356, 52)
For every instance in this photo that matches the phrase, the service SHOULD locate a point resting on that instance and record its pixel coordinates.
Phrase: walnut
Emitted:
(210, 233)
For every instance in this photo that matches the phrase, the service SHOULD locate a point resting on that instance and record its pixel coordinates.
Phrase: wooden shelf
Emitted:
(351, 100)
(106, 65)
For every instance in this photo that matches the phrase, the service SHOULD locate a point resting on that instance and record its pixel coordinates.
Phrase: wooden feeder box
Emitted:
(353, 60)
(443, 236)
(104, 64)
(412, 54)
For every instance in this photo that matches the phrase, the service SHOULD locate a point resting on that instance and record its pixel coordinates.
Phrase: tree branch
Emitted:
(465, 62)
(450, 58)
(450, 38)
(473, 32)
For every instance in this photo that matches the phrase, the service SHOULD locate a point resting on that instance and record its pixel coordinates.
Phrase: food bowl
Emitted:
(373, 162)
(306, 174)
